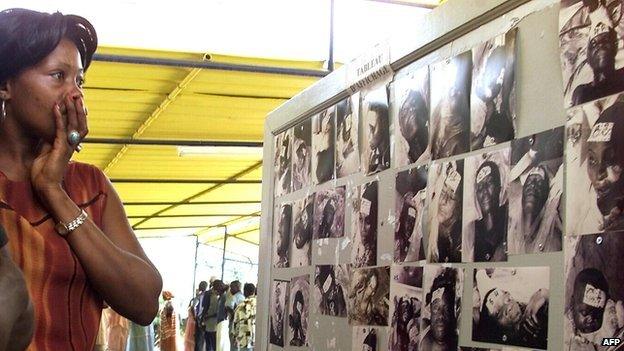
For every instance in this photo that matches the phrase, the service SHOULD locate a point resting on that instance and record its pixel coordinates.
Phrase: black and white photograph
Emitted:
(303, 218)
(347, 144)
(469, 348)
(364, 247)
(411, 196)
(492, 103)
(282, 228)
(299, 311)
(376, 130)
(323, 145)
(450, 106)
(331, 284)
(594, 161)
(369, 296)
(406, 301)
(365, 339)
(442, 289)
(302, 155)
(594, 290)
(409, 111)
(592, 61)
(279, 297)
(535, 193)
(445, 192)
(329, 213)
(486, 207)
(510, 306)
(283, 162)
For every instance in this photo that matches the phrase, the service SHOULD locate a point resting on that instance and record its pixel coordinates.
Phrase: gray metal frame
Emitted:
(450, 29)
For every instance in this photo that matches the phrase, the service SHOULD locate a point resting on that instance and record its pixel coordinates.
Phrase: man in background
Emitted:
(244, 321)
(234, 298)
(196, 304)
(210, 303)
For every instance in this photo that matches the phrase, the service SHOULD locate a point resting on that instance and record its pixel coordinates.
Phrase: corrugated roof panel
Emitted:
(186, 221)
(135, 192)
(191, 209)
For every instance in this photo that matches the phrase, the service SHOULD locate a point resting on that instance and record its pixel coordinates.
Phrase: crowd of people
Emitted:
(221, 317)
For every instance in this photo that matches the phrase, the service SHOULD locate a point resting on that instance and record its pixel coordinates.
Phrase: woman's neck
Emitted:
(18, 151)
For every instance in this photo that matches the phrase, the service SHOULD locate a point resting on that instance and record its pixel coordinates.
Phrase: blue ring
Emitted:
(73, 137)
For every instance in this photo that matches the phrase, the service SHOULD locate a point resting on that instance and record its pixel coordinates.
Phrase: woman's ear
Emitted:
(5, 90)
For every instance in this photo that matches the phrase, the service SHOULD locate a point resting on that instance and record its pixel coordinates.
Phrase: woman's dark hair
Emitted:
(249, 290)
(27, 37)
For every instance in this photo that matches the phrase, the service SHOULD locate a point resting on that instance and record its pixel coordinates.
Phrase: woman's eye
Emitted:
(58, 75)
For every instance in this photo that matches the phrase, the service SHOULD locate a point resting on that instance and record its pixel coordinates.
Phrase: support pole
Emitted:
(225, 236)
(195, 266)
(330, 61)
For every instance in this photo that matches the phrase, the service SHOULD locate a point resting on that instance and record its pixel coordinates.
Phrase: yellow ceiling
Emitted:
(165, 194)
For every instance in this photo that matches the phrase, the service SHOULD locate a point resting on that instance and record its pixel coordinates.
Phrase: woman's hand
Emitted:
(49, 166)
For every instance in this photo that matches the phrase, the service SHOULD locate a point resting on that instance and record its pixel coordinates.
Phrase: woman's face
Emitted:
(34, 92)
(502, 307)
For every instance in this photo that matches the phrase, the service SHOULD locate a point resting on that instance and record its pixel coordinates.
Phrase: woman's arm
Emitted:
(112, 257)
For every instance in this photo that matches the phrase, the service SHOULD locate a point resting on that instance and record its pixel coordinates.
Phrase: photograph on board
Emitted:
(510, 306)
(590, 42)
(364, 247)
(450, 106)
(411, 195)
(492, 103)
(303, 217)
(329, 213)
(302, 155)
(594, 290)
(281, 236)
(406, 300)
(347, 146)
(331, 283)
(486, 206)
(442, 288)
(445, 192)
(323, 145)
(409, 111)
(283, 162)
(369, 296)
(279, 297)
(365, 339)
(376, 130)
(594, 161)
(299, 311)
(535, 193)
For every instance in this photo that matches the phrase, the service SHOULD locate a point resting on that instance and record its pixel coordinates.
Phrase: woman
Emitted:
(66, 225)
(168, 326)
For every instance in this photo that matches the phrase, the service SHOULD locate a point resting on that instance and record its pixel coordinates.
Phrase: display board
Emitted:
(456, 188)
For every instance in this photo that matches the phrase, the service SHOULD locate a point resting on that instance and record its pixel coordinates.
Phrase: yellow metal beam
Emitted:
(171, 97)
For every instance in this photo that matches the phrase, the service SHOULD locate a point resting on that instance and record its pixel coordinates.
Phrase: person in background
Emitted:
(223, 339)
(66, 225)
(234, 298)
(244, 323)
(140, 338)
(168, 324)
(209, 320)
(195, 311)
(116, 330)
(16, 319)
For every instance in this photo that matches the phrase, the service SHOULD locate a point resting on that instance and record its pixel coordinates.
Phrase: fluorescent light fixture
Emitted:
(219, 150)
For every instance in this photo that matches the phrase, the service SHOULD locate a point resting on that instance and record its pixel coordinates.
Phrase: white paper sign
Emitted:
(411, 212)
(601, 132)
(437, 294)
(484, 172)
(370, 68)
(594, 297)
(453, 180)
(365, 207)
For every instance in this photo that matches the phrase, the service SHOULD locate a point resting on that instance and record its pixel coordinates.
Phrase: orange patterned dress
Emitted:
(67, 309)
